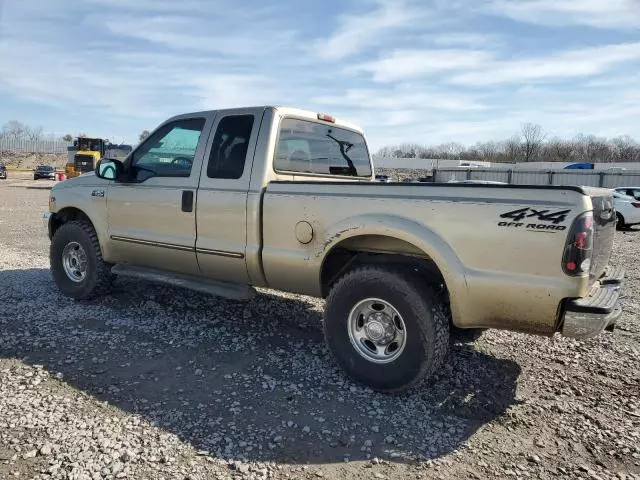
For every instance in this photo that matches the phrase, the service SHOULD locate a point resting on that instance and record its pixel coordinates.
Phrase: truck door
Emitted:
(222, 195)
(152, 218)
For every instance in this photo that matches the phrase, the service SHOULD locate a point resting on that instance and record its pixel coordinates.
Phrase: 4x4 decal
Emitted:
(553, 218)
(542, 215)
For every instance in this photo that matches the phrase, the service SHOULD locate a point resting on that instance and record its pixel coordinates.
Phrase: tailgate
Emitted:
(604, 220)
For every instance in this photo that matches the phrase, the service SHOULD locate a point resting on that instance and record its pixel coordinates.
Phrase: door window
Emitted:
(170, 151)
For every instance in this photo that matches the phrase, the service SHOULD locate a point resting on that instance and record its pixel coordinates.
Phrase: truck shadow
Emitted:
(243, 380)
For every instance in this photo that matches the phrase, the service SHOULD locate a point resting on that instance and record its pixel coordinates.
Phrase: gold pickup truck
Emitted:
(228, 200)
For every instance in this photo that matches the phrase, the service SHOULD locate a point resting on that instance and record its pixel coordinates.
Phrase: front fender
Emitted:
(87, 200)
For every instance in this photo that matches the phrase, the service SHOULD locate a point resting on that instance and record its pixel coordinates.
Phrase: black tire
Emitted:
(98, 277)
(466, 335)
(620, 225)
(424, 314)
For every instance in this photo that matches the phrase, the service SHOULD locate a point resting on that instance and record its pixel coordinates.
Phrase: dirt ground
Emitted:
(32, 160)
(157, 382)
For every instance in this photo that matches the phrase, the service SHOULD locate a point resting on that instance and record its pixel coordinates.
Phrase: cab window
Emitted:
(316, 148)
(230, 145)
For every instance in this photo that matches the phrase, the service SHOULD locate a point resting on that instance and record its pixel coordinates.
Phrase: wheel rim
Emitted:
(74, 261)
(377, 330)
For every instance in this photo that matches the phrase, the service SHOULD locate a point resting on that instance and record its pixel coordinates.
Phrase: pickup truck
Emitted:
(227, 201)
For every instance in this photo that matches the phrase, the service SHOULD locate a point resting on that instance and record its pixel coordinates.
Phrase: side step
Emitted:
(213, 287)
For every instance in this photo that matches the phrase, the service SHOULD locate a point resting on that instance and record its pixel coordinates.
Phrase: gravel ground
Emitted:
(156, 382)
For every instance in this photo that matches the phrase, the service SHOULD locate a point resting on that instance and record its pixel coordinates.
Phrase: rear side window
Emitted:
(316, 148)
(230, 145)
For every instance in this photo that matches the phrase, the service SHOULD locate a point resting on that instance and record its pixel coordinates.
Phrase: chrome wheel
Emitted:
(74, 262)
(377, 330)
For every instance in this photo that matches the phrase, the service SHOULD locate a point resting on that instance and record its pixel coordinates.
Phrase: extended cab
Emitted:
(225, 201)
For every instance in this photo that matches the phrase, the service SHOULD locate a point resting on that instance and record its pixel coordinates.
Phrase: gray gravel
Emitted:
(156, 382)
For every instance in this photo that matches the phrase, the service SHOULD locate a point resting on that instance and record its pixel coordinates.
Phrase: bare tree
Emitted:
(33, 133)
(624, 148)
(14, 130)
(532, 138)
(528, 145)
(512, 149)
(488, 151)
(560, 150)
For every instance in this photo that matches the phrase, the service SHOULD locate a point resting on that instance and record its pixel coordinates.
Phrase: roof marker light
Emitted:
(326, 118)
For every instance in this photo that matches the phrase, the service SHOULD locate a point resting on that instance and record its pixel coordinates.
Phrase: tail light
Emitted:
(577, 252)
(636, 204)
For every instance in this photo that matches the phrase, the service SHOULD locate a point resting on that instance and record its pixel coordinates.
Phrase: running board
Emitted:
(200, 284)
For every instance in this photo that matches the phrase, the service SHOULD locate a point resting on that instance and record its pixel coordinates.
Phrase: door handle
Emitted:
(187, 201)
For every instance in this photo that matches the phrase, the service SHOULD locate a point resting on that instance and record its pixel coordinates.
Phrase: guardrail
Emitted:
(592, 178)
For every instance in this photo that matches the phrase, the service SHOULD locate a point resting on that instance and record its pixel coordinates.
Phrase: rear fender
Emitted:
(421, 237)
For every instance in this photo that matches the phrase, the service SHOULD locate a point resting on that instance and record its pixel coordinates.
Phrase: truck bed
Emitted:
(499, 247)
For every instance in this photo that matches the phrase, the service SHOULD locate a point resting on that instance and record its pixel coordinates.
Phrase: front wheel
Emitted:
(385, 328)
(76, 261)
(620, 225)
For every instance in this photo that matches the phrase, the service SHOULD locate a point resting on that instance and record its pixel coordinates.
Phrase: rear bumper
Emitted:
(587, 317)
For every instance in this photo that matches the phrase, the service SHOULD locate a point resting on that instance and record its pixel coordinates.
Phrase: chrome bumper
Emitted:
(587, 317)
(583, 326)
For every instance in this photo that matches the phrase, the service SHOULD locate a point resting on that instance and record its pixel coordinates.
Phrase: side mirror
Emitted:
(109, 169)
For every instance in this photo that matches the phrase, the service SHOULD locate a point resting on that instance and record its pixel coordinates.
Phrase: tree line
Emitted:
(529, 145)
(15, 130)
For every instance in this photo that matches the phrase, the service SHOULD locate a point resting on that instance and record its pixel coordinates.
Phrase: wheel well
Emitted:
(380, 250)
(66, 215)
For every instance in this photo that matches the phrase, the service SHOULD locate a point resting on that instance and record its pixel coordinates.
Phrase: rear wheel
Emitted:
(620, 225)
(76, 261)
(386, 329)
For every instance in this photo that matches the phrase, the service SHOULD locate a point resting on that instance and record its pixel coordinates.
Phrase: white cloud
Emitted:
(584, 62)
(407, 71)
(194, 35)
(593, 13)
(406, 97)
(358, 31)
(234, 90)
(403, 64)
(465, 39)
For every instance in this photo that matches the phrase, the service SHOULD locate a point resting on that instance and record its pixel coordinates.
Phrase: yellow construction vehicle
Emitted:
(83, 155)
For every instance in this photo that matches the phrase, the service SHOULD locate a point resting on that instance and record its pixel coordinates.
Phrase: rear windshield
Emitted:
(317, 148)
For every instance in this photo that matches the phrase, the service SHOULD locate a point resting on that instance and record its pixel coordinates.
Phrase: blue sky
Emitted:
(419, 71)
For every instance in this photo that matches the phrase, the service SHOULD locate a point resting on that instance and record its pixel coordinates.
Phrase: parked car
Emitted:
(580, 166)
(44, 171)
(383, 178)
(629, 191)
(627, 210)
(284, 198)
(3, 171)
